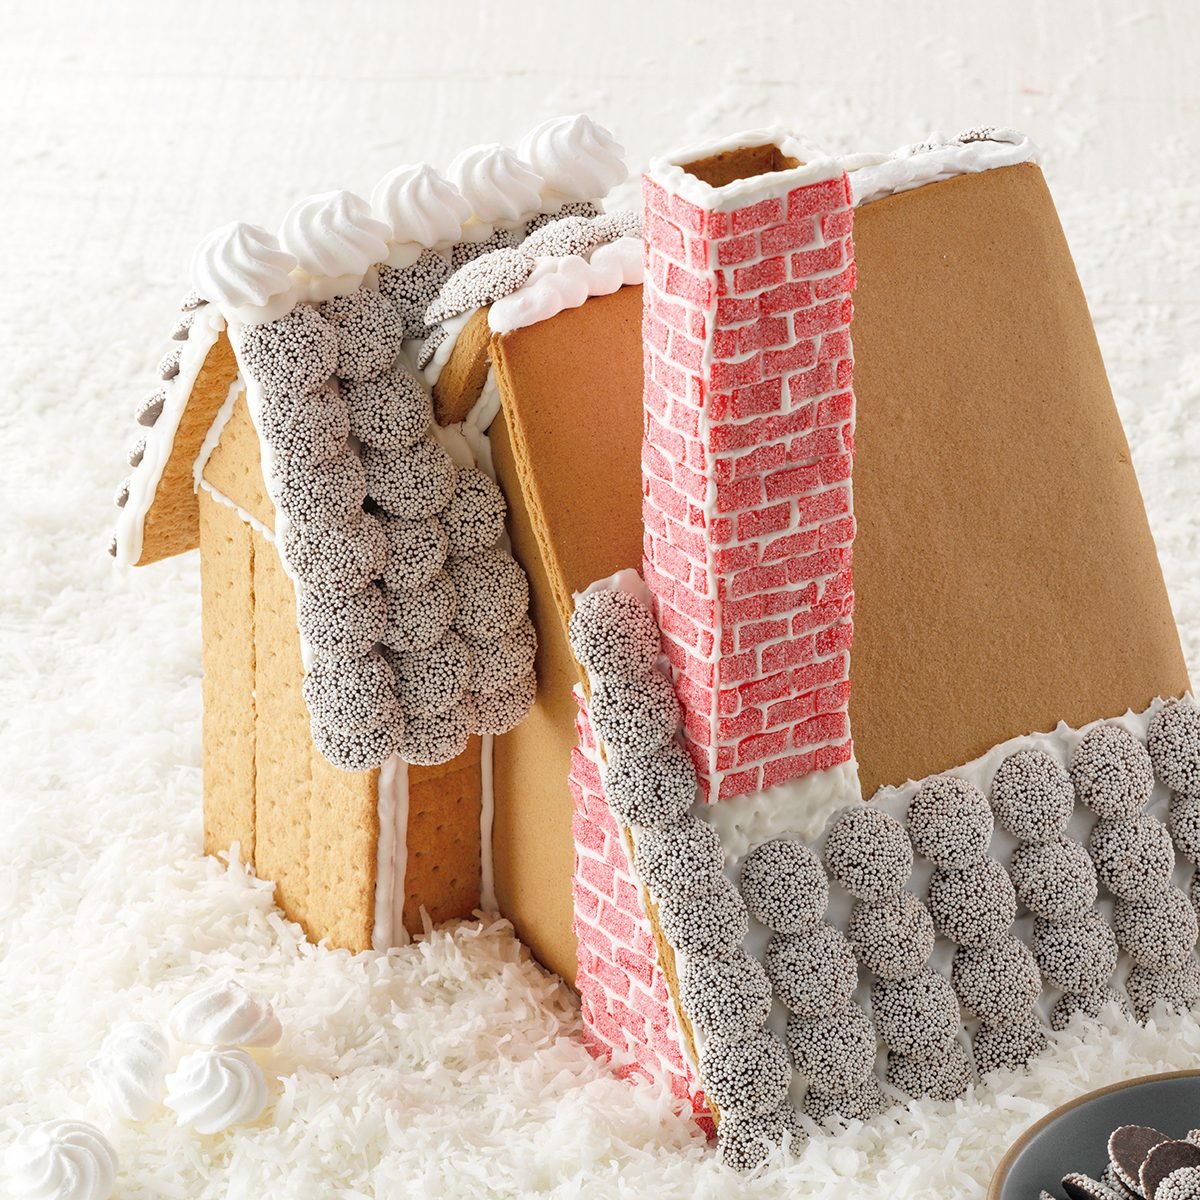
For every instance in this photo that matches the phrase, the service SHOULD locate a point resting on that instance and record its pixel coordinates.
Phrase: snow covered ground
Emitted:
(453, 1068)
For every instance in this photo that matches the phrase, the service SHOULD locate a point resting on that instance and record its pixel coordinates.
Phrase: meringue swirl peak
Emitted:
(335, 240)
(421, 207)
(211, 1090)
(577, 158)
(498, 186)
(61, 1160)
(130, 1070)
(224, 1013)
(241, 268)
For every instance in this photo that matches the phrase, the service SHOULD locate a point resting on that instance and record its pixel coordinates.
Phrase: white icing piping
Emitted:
(875, 176)
(250, 520)
(815, 167)
(441, 356)
(561, 283)
(391, 856)
(487, 812)
(205, 329)
(213, 436)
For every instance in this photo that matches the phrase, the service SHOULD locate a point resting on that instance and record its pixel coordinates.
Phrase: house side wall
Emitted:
(227, 617)
(533, 852)
(312, 829)
(746, 468)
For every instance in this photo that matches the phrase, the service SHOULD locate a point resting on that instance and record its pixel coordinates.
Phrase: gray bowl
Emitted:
(1075, 1136)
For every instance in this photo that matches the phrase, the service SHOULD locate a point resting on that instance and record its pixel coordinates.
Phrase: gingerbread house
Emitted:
(581, 520)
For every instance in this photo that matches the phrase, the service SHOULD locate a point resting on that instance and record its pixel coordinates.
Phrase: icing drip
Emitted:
(391, 855)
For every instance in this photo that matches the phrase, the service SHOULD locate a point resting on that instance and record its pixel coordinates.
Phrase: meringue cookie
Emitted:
(211, 1090)
(578, 159)
(130, 1070)
(335, 240)
(423, 209)
(498, 186)
(61, 1160)
(225, 1014)
(242, 270)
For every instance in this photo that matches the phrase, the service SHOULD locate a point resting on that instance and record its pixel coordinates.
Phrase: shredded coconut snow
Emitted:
(452, 1067)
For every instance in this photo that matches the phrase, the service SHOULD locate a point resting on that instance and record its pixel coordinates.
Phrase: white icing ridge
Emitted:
(224, 1013)
(561, 283)
(802, 806)
(242, 268)
(391, 855)
(336, 242)
(875, 176)
(130, 1070)
(160, 437)
(487, 812)
(61, 1160)
(423, 210)
(441, 356)
(248, 518)
(815, 167)
(213, 437)
(577, 158)
(211, 1090)
(498, 186)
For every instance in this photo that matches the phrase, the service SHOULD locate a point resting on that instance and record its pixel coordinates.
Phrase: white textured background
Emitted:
(129, 129)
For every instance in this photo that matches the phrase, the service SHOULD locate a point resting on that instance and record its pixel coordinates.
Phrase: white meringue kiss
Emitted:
(211, 1090)
(224, 1013)
(578, 159)
(422, 208)
(241, 268)
(497, 185)
(130, 1070)
(335, 240)
(61, 1160)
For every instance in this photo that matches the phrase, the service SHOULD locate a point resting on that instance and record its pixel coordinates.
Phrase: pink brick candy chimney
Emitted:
(747, 454)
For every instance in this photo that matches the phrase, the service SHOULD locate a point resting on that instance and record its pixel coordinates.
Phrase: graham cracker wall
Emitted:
(307, 826)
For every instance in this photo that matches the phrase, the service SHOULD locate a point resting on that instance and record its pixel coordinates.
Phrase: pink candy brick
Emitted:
(756, 425)
(626, 1008)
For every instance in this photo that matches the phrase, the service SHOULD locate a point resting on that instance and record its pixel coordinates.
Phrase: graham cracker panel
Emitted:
(172, 524)
(533, 846)
(283, 763)
(343, 841)
(572, 393)
(1005, 574)
(227, 622)
(235, 466)
(443, 866)
(462, 378)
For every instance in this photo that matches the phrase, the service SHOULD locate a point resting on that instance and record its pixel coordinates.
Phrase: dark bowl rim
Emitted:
(1010, 1155)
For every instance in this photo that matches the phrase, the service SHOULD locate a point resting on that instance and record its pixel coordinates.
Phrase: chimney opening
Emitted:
(746, 162)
